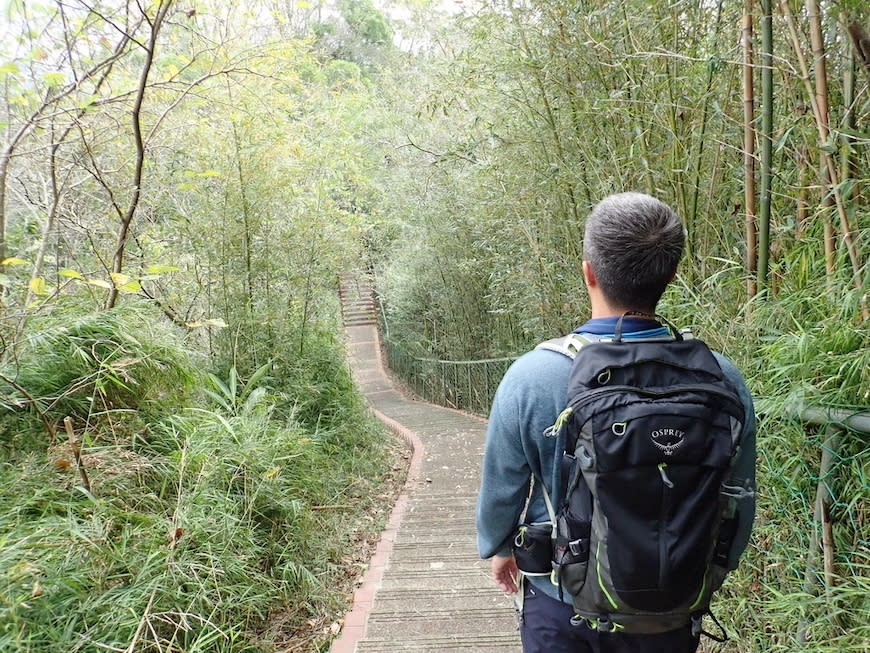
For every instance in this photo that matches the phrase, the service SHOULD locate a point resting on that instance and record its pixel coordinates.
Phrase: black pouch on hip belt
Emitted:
(533, 548)
(533, 542)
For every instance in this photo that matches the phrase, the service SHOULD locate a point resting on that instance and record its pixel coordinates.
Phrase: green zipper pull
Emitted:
(665, 478)
(553, 431)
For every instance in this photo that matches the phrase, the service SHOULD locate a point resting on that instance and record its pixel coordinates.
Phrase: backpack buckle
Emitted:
(579, 547)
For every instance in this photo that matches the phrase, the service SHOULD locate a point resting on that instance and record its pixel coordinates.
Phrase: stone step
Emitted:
(437, 579)
(475, 621)
(399, 594)
(454, 563)
(421, 602)
(431, 547)
(508, 642)
(449, 530)
(358, 314)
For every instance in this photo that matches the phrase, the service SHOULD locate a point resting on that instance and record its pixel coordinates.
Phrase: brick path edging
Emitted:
(355, 621)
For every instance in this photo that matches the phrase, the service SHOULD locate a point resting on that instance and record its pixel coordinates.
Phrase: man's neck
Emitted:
(606, 310)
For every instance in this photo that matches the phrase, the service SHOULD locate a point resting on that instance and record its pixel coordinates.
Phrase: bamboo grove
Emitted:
(750, 118)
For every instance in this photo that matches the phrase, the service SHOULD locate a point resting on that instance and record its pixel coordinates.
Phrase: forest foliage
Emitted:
(186, 463)
(181, 183)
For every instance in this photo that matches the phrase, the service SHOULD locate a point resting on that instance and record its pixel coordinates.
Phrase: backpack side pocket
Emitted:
(573, 536)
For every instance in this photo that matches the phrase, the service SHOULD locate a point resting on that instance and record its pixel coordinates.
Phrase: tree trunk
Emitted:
(127, 219)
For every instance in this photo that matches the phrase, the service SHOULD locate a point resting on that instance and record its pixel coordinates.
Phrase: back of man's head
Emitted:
(633, 243)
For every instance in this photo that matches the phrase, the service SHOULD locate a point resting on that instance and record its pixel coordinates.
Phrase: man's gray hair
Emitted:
(633, 243)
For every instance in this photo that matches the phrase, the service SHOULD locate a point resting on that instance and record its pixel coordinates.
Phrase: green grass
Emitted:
(209, 512)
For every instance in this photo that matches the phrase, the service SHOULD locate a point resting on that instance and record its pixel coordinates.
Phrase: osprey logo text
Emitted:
(668, 440)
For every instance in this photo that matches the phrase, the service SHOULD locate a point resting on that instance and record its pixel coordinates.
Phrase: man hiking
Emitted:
(632, 245)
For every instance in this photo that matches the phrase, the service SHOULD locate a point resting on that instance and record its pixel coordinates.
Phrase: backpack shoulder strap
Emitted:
(567, 345)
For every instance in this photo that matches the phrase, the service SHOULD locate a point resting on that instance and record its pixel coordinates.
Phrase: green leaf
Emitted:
(71, 274)
(99, 283)
(161, 269)
(9, 68)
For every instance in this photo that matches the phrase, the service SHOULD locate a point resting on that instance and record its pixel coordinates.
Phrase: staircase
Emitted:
(357, 299)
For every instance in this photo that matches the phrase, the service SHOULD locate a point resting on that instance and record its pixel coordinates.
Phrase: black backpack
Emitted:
(647, 511)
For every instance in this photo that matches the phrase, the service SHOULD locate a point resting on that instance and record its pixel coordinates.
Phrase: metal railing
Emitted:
(820, 574)
(465, 385)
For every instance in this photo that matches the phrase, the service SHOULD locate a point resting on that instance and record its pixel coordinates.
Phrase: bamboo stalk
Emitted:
(766, 142)
(821, 523)
(818, 95)
(850, 121)
(749, 153)
(801, 208)
(76, 446)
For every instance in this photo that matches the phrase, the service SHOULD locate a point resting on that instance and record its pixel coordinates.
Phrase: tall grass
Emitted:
(208, 511)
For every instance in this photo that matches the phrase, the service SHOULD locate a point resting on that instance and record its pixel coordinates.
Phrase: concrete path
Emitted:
(425, 589)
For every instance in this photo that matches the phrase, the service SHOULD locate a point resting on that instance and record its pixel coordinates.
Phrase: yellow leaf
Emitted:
(37, 286)
(71, 274)
(14, 261)
(193, 325)
(119, 279)
(272, 473)
(301, 4)
(54, 78)
(160, 269)
(217, 322)
(99, 283)
(131, 286)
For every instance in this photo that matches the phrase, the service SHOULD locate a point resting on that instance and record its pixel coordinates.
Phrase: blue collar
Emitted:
(636, 326)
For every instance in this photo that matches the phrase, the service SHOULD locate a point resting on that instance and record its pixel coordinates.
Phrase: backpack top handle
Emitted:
(617, 334)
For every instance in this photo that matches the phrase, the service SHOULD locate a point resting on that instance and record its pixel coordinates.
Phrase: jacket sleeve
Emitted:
(744, 465)
(505, 476)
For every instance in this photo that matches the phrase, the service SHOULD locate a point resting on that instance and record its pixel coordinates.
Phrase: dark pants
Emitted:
(546, 628)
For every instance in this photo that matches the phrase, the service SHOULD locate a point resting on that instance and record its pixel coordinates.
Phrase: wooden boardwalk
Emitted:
(425, 589)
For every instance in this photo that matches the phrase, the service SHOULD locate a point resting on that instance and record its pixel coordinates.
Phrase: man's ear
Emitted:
(589, 274)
